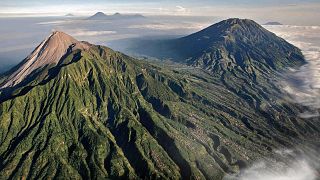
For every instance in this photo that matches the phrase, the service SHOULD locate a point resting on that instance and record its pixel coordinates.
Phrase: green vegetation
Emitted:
(100, 114)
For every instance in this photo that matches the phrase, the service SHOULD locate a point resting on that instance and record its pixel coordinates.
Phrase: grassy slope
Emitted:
(107, 115)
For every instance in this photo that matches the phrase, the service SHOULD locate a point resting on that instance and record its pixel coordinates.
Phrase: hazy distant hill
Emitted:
(102, 16)
(69, 15)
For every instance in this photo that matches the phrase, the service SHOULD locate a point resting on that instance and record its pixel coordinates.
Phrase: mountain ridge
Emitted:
(49, 52)
(234, 41)
(99, 113)
(98, 15)
(115, 16)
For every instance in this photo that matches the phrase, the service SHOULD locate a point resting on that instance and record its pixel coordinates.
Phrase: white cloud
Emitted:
(51, 22)
(84, 32)
(170, 26)
(290, 166)
(299, 170)
(160, 9)
(304, 83)
(181, 9)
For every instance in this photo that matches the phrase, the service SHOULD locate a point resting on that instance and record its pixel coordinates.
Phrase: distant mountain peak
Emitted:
(69, 15)
(49, 52)
(230, 45)
(115, 16)
(235, 22)
(229, 28)
(238, 42)
(61, 41)
(98, 15)
(238, 20)
(60, 35)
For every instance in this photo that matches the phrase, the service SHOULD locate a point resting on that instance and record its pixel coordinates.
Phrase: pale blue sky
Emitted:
(252, 2)
(288, 11)
(24, 6)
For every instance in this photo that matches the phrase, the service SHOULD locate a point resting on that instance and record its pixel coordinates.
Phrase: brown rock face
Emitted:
(49, 52)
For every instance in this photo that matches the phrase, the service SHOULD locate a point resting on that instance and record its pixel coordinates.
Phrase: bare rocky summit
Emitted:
(49, 52)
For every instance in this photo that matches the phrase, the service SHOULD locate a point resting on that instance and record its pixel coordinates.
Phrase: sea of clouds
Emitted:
(289, 165)
(21, 35)
(303, 84)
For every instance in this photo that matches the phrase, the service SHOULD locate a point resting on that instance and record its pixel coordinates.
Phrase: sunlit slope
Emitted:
(101, 114)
